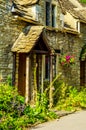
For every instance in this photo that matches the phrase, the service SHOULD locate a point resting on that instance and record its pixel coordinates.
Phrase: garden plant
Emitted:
(16, 115)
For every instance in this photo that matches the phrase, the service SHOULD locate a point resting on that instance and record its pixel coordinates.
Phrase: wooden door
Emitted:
(82, 73)
(22, 74)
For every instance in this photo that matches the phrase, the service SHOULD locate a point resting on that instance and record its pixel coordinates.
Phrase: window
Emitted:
(47, 13)
(47, 67)
(53, 16)
(50, 14)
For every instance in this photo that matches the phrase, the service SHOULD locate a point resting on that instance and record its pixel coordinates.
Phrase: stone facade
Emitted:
(10, 29)
(66, 42)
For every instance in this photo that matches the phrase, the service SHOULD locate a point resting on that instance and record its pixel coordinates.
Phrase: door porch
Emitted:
(29, 52)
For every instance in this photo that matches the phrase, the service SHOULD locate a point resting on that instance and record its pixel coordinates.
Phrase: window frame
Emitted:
(49, 14)
(53, 15)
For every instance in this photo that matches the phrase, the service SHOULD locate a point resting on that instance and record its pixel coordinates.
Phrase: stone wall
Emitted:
(9, 31)
(71, 44)
(10, 28)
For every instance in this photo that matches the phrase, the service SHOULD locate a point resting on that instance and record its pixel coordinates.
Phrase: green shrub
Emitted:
(15, 115)
(11, 108)
(69, 97)
(40, 113)
(10, 101)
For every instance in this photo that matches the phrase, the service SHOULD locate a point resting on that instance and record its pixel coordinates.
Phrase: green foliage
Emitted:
(83, 1)
(9, 80)
(59, 90)
(11, 108)
(10, 100)
(40, 113)
(69, 97)
(15, 115)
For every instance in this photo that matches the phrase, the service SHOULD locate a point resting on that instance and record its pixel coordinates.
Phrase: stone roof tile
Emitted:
(26, 2)
(73, 9)
(25, 43)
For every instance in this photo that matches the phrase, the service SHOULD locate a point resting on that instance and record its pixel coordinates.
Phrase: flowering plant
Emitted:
(67, 60)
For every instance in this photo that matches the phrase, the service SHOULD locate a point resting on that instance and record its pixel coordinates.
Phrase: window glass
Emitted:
(47, 13)
(47, 67)
(53, 15)
(50, 14)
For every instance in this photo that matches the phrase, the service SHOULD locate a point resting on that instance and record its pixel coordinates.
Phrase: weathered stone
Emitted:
(66, 42)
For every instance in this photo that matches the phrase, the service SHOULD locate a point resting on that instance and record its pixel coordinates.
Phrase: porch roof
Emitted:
(26, 42)
(26, 2)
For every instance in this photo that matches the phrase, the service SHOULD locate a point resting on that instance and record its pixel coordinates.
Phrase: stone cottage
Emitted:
(75, 19)
(34, 35)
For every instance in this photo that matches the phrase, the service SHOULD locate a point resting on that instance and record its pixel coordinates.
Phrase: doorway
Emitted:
(82, 73)
(22, 74)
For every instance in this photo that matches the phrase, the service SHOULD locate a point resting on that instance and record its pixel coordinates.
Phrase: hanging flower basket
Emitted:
(67, 60)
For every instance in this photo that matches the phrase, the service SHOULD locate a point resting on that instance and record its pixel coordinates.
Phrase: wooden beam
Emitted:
(35, 81)
(27, 80)
(14, 69)
(17, 68)
(42, 77)
(51, 87)
(40, 52)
